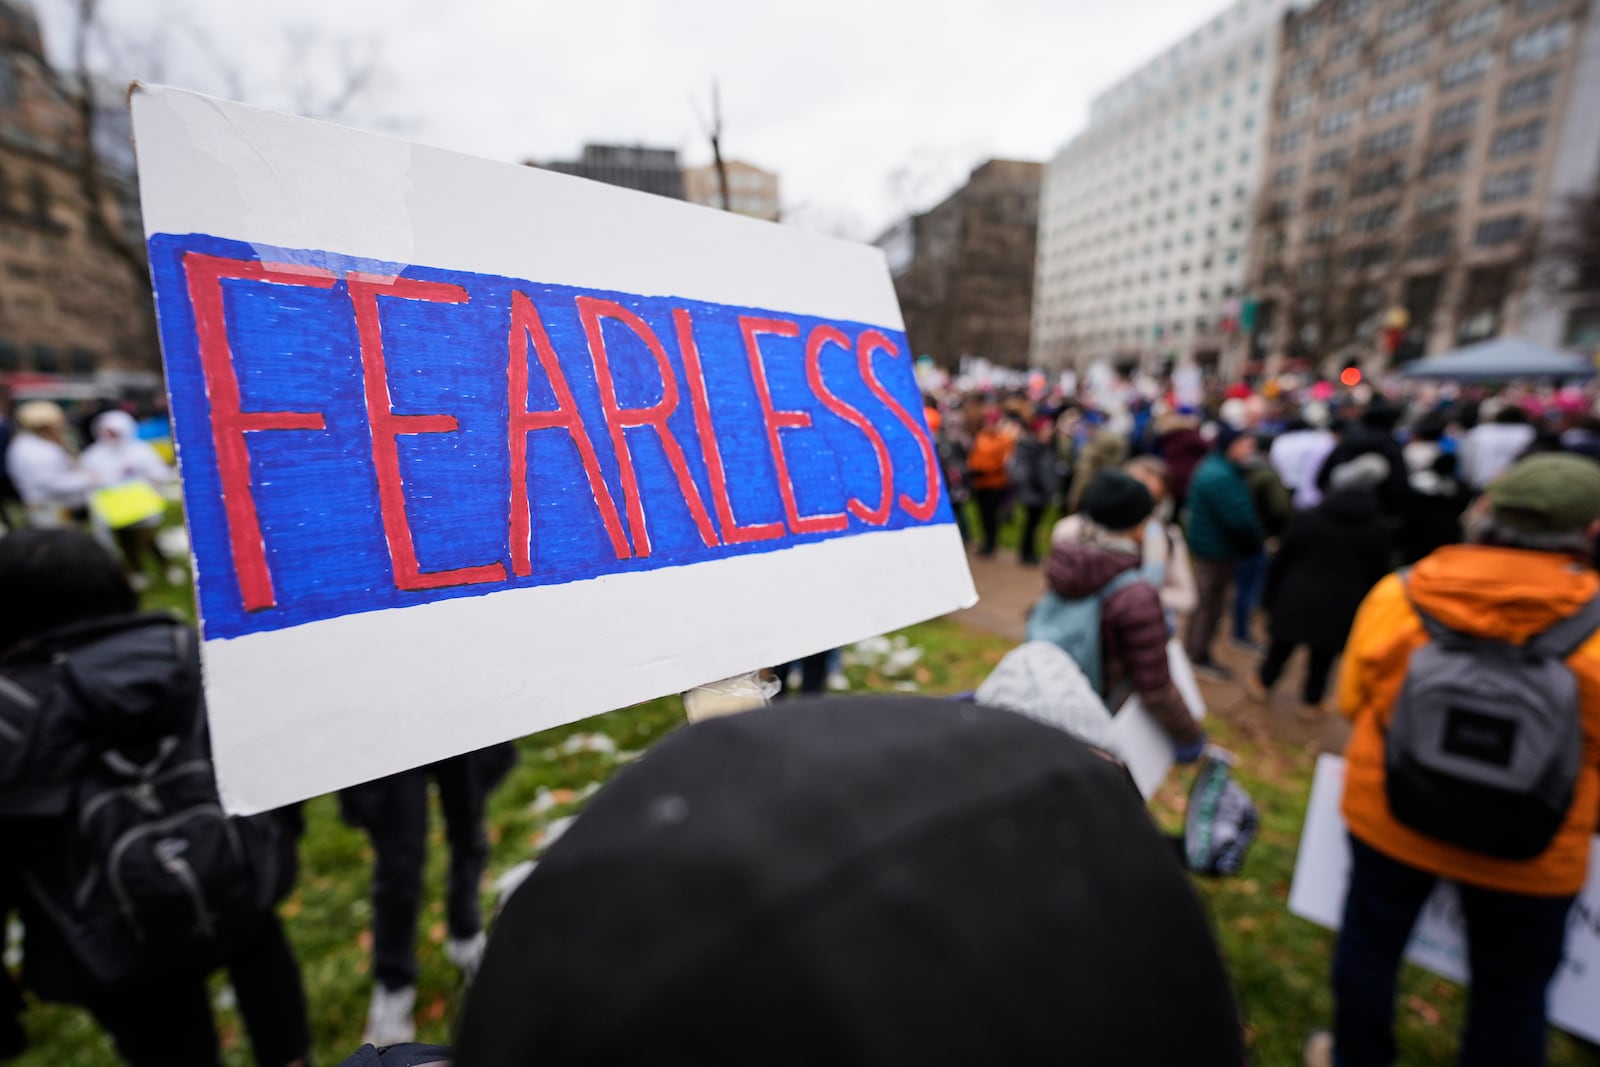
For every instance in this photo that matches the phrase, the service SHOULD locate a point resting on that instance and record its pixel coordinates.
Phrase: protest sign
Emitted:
(472, 449)
(1141, 742)
(1438, 943)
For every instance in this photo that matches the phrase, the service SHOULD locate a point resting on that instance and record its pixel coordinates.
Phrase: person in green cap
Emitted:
(1473, 683)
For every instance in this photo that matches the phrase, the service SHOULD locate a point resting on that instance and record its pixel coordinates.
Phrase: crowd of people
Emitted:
(1436, 548)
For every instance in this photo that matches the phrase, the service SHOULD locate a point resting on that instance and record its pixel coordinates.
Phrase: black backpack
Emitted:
(158, 877)
(1485, 741)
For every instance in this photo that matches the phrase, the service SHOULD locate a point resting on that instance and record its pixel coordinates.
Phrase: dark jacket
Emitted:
(1274, 504)
(1033, 471)
(1360, 439)
(1223, 523)
(1330, 556)
(119, 684)
(1133, 631)
(1181, 450)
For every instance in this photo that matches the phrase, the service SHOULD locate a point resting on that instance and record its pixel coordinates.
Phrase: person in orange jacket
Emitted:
(988, 465)
(1524, 570)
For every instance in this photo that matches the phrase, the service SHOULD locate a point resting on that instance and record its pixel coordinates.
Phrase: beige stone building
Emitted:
(751, 190)
(68, 304)
(1417, 151)
(963, 270)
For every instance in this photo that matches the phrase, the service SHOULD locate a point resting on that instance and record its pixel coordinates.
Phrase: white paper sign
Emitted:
(1141, 742)
(472, 449)
(1438, 942)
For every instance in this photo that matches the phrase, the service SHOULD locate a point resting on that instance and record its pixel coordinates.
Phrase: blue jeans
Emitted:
(1247, 578)
(1513, 950)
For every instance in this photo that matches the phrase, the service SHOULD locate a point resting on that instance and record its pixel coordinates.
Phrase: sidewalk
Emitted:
(1007, 590)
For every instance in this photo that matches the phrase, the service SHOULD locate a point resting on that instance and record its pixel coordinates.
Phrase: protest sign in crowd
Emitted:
(469, 451)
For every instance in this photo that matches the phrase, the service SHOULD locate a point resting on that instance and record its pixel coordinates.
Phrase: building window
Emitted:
(1351, 9)
(1402, 96)
(1286, 175)
(1474, 24)
(1300, 70)
(1348, 45)
(1374, 181)
(1432, 244)
(1322, 231)
(1466, 70)
(1508, 184)
(1297, 105)
(1449, 160)
(1290, 141)
(1437, 202)
(1409, 14)
(1529, 91)
(1400, 58)
(1333, 159)
(1514, 140)
(1335, 123)
(1343, 84)
(1377, 218)
(1305, 33)
(1533, 7)
(1324, 197)
(1394, 139)
(1368, 256)
(1499, 231)
(1540, 43)
(1457, 116)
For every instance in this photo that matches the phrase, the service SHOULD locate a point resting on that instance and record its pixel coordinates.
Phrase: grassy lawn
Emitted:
(1279, 962)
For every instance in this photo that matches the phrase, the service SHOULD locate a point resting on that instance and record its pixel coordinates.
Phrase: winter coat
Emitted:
(1431, 518)
(1297, 457)
(1033, 472)
(1182, 450)
(1329, 558)
(122, 683)
(1360, 440)
(118, 456)
(989, 458)
(47, 478)
(1133, 630)
(1223, 524)
(1505, 593)
(1490, 449)
(1273, 502)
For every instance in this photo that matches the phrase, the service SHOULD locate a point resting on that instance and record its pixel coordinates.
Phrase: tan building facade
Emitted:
(1417, 151)
(751, 190)
(963, 270)
(68, 305)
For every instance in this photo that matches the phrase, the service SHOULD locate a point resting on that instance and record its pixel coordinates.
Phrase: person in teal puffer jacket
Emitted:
(1223, 529)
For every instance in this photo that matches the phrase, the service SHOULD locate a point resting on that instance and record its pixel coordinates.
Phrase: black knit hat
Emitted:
(891, 880)
(1117, 501)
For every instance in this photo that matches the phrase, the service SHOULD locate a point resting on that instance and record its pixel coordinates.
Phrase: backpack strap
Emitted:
(1119, 583)
(1570, 634)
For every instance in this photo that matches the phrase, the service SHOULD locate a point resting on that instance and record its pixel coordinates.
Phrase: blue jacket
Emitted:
(1223, 523)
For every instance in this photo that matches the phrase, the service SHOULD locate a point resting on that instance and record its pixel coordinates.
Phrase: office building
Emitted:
(751, 190)
(1144, 219)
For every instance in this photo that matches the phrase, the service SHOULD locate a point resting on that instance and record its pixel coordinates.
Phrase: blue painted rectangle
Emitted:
(316, 490)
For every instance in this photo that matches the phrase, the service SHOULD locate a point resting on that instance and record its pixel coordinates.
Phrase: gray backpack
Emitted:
(1484, 744)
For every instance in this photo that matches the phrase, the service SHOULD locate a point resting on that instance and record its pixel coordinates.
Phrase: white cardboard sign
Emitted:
(472, 449)
(1141, 742)
(1438, 943)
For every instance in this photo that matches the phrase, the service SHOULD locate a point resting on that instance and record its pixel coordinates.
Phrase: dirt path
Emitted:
(1007, 590)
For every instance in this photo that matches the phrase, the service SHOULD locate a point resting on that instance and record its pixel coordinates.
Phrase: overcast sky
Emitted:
(866, 108)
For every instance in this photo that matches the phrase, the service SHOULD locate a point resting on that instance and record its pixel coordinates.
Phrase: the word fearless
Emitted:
(528, 343)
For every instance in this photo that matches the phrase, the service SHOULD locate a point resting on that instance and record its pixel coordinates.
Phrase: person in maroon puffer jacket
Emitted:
(1181, 446)
(1133, 630)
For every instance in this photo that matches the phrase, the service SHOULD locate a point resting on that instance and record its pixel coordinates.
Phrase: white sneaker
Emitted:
(466, 953)
(389, 1019)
